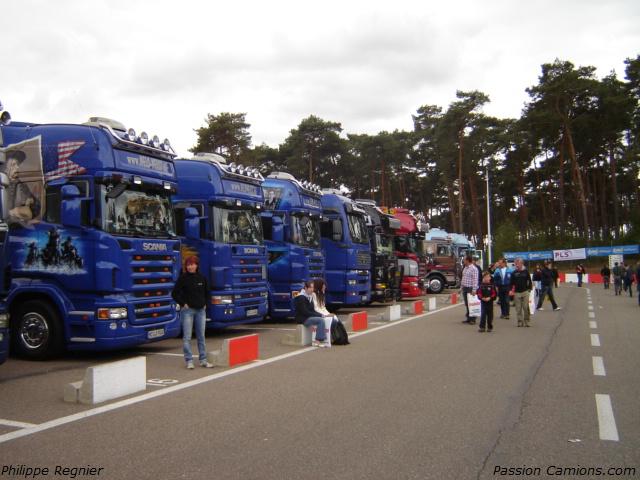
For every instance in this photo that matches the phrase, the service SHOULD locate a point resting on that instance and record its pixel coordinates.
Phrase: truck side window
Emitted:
(53, 205)
(267, 229)
(326, 229)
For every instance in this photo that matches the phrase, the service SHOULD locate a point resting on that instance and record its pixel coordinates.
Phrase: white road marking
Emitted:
(11, 423)
(588, 291)
(595, 340)
(167, 354)
(589, 302)
(590, 307)
(592, 315)
(606, 420)
(182, 386)
(593, 324)
(598, 367)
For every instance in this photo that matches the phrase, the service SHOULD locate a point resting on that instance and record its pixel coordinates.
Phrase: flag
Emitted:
(66, 167)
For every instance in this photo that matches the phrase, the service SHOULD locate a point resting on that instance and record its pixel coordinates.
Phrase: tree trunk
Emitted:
(578, 174)
(475, 208)
(452, 205)
(561, 204)
(614, 192)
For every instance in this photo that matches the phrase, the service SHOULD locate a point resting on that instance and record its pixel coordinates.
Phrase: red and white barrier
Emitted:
(236, 351)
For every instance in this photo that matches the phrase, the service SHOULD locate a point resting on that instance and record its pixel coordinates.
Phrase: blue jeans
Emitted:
(189, 316)
(318, 322)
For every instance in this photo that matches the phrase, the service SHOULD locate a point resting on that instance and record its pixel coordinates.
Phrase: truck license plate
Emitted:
(252, 312)
(158, 332)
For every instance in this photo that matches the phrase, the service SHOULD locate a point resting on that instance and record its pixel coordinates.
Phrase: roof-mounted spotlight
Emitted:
(233, 168)
(166, 145)
(131, 135)
(137, 180)
(166, 185)
(144, 138)
(155, 141)
(241, 169)
(5, 117)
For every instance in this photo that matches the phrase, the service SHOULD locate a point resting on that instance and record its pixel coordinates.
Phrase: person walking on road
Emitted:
(617, 278)
(521, 287)
(606, 276)
(627, 279)
(191, 293)
(487, 293)
(502, 281)
(546, 280)
(469, 285)
(638, 281)
(580, 271)
(308, 316)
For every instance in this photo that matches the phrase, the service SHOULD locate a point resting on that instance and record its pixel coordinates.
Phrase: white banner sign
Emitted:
(573, 254)
(613, 259)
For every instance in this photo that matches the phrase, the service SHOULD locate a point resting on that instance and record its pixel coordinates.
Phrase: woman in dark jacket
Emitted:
(191, 293)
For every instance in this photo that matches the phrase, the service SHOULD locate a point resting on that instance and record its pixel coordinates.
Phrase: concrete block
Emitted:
(108, 381)
(431, 304)
(355, 322)
(236, 351)
(301, 338)
(415, 307)
(391, 313)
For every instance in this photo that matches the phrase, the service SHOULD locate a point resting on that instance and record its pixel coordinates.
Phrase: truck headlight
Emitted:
(112, 313)
(222, 299)
(352, 282)
(4, 320)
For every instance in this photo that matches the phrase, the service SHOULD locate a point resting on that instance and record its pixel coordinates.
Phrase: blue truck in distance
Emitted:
(291, 225)
(92, 249)
(345, 244)
(218, 208)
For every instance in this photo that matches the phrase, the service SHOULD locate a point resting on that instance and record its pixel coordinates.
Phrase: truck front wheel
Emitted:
(36, 331)
(435, 284)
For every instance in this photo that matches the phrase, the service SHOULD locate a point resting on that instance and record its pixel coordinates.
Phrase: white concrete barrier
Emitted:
(431, 304)
(391, 313)
(301, 338)
(108, 381)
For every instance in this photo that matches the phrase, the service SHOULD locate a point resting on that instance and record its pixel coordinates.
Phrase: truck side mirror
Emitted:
(71, 206)
(191, 223)
(277, 229)
(337, 230)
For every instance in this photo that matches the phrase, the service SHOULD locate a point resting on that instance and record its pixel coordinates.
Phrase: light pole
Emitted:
(488, 219)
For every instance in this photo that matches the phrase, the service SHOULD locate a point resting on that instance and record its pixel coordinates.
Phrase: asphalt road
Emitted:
(428, 398)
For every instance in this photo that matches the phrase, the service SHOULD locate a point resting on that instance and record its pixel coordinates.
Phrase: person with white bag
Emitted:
(521, 287)
(469, 285)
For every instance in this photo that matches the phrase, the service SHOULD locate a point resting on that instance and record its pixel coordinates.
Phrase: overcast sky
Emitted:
(161, 66)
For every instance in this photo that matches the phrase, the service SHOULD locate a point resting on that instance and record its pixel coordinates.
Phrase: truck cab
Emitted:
(218, 208)
(291, 223)
(91, 248)
(409, 248)
(385, 273)
(345, 244)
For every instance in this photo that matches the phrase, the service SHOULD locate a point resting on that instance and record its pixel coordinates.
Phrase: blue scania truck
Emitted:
(218, 208)
(92, 252)
(291, 224)
(345, 244)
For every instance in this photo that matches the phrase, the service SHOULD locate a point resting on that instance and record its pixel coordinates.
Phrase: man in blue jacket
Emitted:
(308, 316)
(502, 281)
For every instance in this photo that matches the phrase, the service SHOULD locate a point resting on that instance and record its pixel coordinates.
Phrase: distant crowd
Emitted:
(526, 292)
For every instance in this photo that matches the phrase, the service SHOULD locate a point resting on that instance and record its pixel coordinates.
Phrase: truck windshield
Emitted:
(130, 211)
(237, 226)
(384, 244)
(305, 231)
(358, 228)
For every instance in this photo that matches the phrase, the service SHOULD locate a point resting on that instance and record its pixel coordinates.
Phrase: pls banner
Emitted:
(573, 254)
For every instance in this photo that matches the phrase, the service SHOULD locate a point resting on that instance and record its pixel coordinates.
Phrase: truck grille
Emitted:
(152, 282)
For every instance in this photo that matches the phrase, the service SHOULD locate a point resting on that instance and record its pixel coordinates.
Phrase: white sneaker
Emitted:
(206, 364)
(190, 365)
(540, 309)
(557, 308)
(319, 344)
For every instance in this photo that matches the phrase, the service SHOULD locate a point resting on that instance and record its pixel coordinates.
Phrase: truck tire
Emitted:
(36, 331)
(435, 284)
